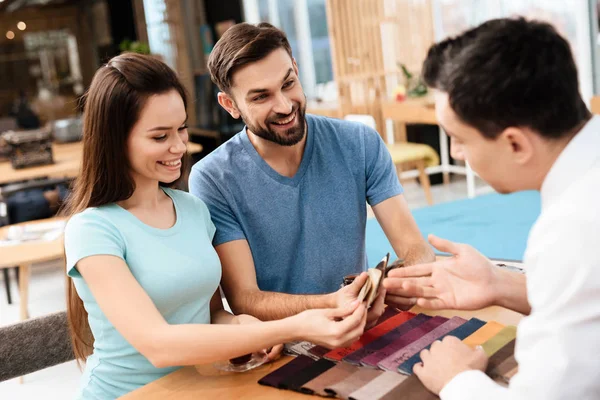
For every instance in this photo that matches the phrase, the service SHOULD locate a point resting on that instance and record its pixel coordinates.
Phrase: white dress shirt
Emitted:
(558, 344)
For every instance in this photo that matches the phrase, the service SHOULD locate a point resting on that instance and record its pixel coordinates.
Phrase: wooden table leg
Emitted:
(425, 183)
(24, 270)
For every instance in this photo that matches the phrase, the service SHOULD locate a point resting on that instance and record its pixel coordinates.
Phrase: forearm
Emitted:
(511, 291)
(268, 306)
(193, 344)
(418, 252)
(222, 317)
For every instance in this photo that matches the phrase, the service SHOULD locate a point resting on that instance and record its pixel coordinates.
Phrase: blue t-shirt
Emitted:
(177, 267)
(308, 231)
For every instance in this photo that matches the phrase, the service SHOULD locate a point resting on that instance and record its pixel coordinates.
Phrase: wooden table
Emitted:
(25, 254)
(205, 382)
(67, 159)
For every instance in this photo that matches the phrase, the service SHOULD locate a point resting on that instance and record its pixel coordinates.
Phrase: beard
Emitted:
(290, 136)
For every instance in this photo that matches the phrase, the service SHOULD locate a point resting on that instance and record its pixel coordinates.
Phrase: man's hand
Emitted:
(376, 310)
(349, 293)
(274, 352)
(446, 359)
(465, 281)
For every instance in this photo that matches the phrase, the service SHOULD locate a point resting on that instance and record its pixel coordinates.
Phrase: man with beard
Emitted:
(288, 193)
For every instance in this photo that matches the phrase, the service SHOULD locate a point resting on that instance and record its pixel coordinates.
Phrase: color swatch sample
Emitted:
(488, 331)
(370, 336)
(392, 362)
(356, 357)
(461, 333)
(402, 341)
(328, 378)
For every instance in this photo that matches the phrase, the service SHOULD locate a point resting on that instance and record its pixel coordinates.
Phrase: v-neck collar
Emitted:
(262, 164)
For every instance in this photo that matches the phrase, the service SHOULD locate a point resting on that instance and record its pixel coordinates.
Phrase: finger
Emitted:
(412, 271)
(443, 245)
(432, 304)
(411, 287)
(342, 312)
(418, 370)
(358, 283)
(400, 301)
(420, 289)
(425, 353)
(355, 319)
(275, 352)
(378, 306)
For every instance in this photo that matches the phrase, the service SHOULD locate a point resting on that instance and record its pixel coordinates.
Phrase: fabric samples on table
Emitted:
(356, 357)
(392, 362)
(320, 351)
(461, 333)
(352, 383)
(306, 374)
(378, 387)
(502, 364)
(403, 341)
(328, 378)
(503, 337)
(275, 378)
(410, 389)
(371, 335)
(300, 349)
(505, 371)
(482, 335)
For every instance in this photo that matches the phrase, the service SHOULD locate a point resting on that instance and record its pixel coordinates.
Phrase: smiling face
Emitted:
(268, 96)
(157, 142)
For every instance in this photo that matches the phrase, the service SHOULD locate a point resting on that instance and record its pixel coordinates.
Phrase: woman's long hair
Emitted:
(112, 106)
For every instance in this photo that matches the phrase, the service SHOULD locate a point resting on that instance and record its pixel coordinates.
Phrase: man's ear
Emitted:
(520, 144)
(228, 104)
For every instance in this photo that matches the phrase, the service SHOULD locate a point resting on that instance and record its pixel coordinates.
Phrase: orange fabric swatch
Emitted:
(483, 334)
(371, 335)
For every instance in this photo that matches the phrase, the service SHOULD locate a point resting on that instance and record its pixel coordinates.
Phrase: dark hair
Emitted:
(240, 45)
(112, 106)
(509, 72)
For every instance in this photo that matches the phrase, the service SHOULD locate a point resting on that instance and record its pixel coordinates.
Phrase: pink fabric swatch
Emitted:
(392, 362)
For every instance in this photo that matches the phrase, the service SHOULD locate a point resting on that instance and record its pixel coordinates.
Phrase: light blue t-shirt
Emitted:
(308, 231)
(177, 267)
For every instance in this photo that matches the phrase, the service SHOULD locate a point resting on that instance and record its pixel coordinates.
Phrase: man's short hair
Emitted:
(509, 72)
(243, 44)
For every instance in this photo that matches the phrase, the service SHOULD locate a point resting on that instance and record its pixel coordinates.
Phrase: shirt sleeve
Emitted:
(382, 180)
(557, 345)
(227, 226)
(87, 234)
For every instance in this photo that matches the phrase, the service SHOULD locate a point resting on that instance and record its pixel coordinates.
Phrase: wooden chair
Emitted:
(35, 344)
(406, 155)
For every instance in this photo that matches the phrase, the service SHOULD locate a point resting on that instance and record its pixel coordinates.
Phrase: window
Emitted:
(570, 18)
(300, 20)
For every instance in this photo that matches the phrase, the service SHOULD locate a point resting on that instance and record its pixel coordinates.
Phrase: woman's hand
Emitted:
(274, 352)
(332, 327)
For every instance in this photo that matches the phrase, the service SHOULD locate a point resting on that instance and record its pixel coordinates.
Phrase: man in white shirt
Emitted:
(507, 95)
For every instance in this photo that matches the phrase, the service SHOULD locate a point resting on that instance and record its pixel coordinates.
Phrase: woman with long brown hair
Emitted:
(143, 297)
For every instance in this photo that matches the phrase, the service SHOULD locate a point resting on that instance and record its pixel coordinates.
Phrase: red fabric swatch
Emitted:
(371, 335)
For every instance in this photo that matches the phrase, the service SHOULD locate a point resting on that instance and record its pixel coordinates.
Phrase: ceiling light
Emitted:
(10, 35)
(22, 25)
